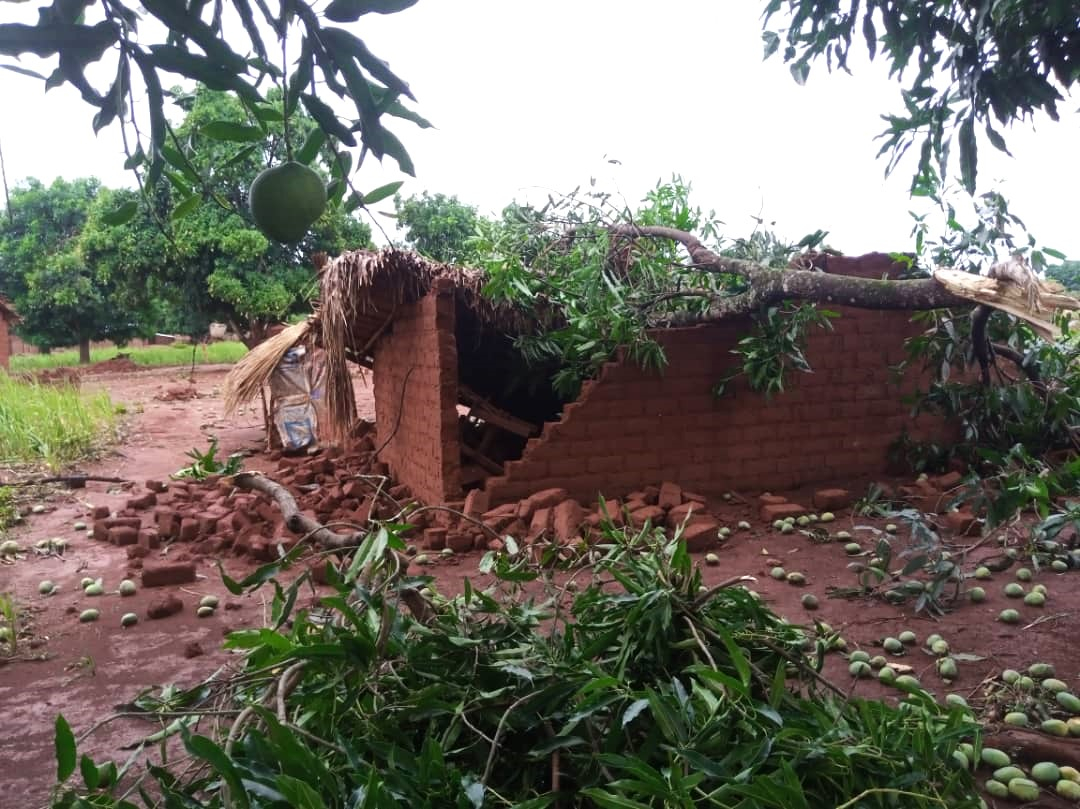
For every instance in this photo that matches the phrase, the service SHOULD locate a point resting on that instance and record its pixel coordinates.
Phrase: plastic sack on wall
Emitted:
(293, 400)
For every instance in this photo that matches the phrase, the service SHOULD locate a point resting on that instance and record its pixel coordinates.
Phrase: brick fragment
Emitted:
(695, 511)
(164, 607)
(961, 522)
(459, 542)
(149, 539)
(476, 502)
(189, 529)
(650, 514)
(167, 574)
(435, 538)
(778, 511)
(142, 502)
(670, 495)
(950, 480)
(168, 523)
(701, 536)
(566, 520)
(101, 512)
(542, 499)
(832, 499)
(123, 535)
(540, 523)
(771, 499)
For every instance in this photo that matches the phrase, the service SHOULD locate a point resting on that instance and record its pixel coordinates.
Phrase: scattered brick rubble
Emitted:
(347, 486)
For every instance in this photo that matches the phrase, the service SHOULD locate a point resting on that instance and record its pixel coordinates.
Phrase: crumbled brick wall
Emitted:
(632, 427)
(420, 423)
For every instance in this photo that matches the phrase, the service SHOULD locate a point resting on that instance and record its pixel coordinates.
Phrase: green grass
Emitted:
(52, 425)
(149, 356)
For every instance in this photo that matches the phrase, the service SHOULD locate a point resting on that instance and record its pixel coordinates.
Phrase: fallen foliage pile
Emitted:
(637, 688)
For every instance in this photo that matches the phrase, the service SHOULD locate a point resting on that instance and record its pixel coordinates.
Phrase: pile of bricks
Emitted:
(552, 516)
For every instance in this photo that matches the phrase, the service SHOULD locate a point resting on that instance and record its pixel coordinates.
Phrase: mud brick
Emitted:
(950, 480)
(137, 552)
(239, 519)
(652, 495)
(701, 536)
(164, 607)
(168, 523)
(261, 549)
(101, 529)
(189, 529)
(208, 521)
(650, 514)
(477, 502)
(355, 489)
(149, 539)
(123, 535)
(168, 574)
(303, 478)
(498, 523)
(566, 520)
(142, 502)
(349, 504)
(777, 511)
(611, 511)
(400, 492)
(960, 522)
(695, 511)
(101, 512)
(435, 538)
(265, 511)
(460, 543)
(772, 500)
(506, 510)
(542, 499)
(670, 495)
(541, 522)
(832, 499)
(517, 529)
(644, 498)
(692, 497)
(632, 504)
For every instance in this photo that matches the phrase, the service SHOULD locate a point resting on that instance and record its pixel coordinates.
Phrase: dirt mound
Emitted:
(177, 393)
(116, 365)
(52, 376)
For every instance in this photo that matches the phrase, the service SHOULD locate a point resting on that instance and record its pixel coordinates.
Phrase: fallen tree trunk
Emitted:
(1032, 746)
(73, 481)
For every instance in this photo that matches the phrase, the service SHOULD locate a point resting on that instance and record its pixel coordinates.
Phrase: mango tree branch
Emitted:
(769, 286)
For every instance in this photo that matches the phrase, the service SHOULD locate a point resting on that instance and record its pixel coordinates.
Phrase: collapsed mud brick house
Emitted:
(8, 318)
(458, 409)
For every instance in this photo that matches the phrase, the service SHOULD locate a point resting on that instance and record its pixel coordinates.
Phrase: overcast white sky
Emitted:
(531, 97)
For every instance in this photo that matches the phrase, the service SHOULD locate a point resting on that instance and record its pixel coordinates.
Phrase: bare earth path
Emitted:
(84, 670)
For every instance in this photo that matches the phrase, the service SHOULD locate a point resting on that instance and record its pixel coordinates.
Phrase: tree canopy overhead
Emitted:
(313, 59)
(962, 66)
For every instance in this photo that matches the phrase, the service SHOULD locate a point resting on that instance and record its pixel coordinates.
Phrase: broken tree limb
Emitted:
(74, 481)
(295, 520)
(1032, 746)
(1010, 286)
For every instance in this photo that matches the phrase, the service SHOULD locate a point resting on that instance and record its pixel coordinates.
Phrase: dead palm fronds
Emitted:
(245, 381)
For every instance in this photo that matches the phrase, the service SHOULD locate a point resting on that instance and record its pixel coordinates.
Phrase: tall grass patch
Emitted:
(53, 425)
(222, 353)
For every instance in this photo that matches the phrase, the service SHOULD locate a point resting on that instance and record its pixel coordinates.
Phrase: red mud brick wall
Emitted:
(631, 427)
(420, 424)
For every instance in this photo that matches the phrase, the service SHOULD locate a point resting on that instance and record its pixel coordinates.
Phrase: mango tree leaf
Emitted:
(204, 748)
(382, 192)
(232, 131)
(352, 10)
(312, 144)
(968, 153)
(65, 749)
(187, 206)
(125, 213)
(327, 119)
(16, 69)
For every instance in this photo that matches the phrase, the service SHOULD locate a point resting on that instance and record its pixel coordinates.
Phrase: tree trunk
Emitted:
(84, 351)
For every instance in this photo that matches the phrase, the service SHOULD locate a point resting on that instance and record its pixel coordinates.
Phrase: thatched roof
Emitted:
(360, 292)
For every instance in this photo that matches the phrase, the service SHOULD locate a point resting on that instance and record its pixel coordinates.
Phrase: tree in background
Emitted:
(62, 298)
(1067, 273)
(437, 226)
(207, 261)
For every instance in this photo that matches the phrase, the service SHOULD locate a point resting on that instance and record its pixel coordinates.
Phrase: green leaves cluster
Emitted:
(81, 33)
(963, 65)
(638, 691)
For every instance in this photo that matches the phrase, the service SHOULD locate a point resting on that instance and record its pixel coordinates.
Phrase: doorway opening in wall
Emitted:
(502, 400)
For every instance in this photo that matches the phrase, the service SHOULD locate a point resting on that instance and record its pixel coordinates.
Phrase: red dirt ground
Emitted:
(85, 670)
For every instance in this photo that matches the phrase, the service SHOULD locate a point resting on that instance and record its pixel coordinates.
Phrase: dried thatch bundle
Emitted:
(248, 376)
